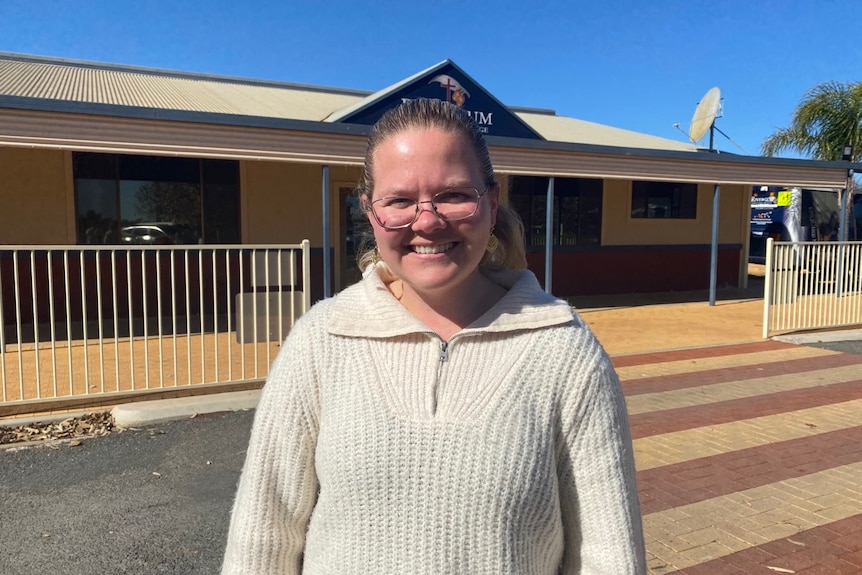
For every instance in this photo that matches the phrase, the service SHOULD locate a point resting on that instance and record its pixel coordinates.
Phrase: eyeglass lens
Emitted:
(395, 211)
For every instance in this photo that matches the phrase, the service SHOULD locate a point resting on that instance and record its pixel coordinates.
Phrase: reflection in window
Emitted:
(664, 200)
(577, 219)
(152, 200)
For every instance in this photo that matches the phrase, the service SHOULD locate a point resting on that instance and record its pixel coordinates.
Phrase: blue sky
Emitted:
(639, 65)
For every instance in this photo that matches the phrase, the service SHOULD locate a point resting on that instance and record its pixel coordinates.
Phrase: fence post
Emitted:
(306, 275)
(767, 287)
(839, 265)
(2, 333)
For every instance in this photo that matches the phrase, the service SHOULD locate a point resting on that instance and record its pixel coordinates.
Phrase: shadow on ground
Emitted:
(754, 291)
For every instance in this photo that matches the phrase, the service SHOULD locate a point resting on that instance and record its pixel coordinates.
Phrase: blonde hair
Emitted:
(431, 113)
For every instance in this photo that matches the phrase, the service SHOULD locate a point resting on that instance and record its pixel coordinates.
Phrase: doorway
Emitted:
(351, 217)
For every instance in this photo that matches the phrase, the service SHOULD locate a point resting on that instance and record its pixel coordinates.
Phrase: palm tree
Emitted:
(828, 118)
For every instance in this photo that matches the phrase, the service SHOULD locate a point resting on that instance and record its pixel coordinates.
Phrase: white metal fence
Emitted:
(812, 285)
(108, 321)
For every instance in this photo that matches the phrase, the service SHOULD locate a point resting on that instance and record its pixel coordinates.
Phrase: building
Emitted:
(96, 154)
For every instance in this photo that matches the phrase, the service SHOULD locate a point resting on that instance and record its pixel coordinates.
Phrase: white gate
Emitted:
(812, 285)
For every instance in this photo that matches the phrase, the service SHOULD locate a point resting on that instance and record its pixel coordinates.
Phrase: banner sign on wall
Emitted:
(447, 82)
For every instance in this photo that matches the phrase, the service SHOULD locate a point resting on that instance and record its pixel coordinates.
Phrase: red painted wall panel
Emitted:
(636, 270)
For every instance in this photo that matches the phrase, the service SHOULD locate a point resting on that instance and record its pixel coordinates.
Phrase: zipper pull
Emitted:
(444, 351)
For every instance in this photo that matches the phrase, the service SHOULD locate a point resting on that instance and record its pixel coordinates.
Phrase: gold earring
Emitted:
(493, 243)
(375, 256)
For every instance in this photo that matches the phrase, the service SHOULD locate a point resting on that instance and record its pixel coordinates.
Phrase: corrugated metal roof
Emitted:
(338, 114)
(73, 81)
(89, 83)
(571, 130)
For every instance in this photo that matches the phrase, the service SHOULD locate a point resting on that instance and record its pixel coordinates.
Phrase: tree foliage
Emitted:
(828, 118)
(175, 202)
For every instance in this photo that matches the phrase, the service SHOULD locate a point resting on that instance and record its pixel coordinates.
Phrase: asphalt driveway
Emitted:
(155, 500)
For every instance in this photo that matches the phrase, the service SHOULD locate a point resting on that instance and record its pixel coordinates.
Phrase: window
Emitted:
(664, 200)
(124, 199)
(577, 219)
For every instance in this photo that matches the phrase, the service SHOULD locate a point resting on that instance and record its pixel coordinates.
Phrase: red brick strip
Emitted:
(676, 381)
(832, 549)
(703, 415)
(692, 481)
(698, 353)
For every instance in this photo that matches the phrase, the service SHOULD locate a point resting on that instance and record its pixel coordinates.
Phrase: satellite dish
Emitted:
(704, 114)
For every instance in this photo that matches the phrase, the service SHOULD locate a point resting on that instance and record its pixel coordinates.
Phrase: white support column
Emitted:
(549, 236)
(713, 256)
(327, 267)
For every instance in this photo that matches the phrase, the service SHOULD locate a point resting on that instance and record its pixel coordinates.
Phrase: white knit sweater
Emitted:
(377, 448)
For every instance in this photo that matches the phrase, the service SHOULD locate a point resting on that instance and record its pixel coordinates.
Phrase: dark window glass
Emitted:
(97, 211)
(221, 201)
(151, 200)
(664, 200)
(185, 170)
(577, 218)
(538, 216)
(154, 202)
(95, 166)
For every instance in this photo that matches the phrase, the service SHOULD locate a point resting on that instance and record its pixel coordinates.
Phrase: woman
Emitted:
(444, 415)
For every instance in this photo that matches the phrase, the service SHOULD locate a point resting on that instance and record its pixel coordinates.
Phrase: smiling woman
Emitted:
(447, 125)
(435, 257)
(443, 415)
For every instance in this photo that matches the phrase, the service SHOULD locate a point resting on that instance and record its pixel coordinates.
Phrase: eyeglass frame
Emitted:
(369, 207)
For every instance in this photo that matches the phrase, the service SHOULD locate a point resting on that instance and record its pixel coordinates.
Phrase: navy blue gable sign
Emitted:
(446, 82)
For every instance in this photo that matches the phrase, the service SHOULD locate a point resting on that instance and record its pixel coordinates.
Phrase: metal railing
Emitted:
(108, 321)
(812, 285)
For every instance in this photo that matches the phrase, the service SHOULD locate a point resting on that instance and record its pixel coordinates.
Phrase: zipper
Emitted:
(444, 355)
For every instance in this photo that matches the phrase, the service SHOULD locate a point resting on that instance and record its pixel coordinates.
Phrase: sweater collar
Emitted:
(368, 309)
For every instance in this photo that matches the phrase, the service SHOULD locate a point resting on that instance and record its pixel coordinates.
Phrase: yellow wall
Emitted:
(281, 202)
(278, 203)
(36, 199)
(619, 228)
(503, 179)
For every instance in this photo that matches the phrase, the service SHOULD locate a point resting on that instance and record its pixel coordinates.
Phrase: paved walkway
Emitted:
(748, 451)
(749, 458)
(634, 323)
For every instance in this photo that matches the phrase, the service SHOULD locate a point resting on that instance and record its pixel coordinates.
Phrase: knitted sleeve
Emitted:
(278, 486)
(599, 499)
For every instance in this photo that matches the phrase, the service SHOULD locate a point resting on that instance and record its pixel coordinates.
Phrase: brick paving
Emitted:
(684, 483)
(813, 360)
(749, 458)
(667, 417)
(740, 349)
